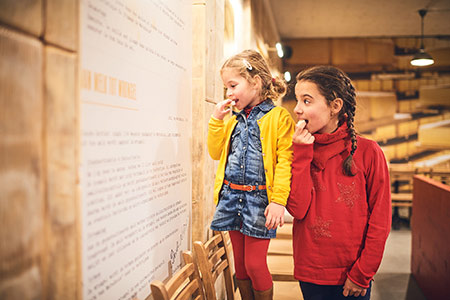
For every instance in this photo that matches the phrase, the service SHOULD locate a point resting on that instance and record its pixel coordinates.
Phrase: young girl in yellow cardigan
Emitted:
(253, 178)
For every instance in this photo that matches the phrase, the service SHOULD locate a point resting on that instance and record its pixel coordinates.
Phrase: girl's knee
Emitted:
(255, 267)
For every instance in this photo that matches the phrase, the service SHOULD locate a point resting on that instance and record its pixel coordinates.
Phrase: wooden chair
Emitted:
(184, 284)
(213, 258)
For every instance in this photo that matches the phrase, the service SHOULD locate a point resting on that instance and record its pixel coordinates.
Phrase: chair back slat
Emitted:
(188, 257)
(212, 242)
(189, 290)
(180, 279)
(159, 290)
(183, 285)
(220, 268)
(213, 259)
(216, 256)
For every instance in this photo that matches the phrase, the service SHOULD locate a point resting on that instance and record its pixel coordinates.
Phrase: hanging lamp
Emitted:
(422, 59)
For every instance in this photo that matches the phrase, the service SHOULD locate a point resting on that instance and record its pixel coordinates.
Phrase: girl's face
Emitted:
(313, 107)
(242, 92)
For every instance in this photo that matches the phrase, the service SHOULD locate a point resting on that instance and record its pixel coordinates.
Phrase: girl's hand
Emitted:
(301, 134)
(274, 215)
(222, 109)
(352, 289)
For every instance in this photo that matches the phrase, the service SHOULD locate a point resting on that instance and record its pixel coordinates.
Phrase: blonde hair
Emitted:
(250, 63)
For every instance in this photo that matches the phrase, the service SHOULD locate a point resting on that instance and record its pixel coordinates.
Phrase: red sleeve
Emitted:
(302, 188)
(379, 223)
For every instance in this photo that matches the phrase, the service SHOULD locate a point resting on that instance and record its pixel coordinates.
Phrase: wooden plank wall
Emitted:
(208, 32)
(39, 212)
(208, 57)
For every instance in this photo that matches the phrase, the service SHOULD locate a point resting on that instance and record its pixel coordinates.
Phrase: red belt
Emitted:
(243, 187)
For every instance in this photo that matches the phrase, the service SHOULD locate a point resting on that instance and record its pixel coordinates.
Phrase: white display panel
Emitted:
(135, 119)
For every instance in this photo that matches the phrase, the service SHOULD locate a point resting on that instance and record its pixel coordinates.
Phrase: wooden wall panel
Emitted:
(39, 230)
(208, 34)
(348, 52)
(430, 229)
(198, 121)
(26, 15)
(380, 52)
(21, 165)
(310, 51)
(61, 23)
(61, 114)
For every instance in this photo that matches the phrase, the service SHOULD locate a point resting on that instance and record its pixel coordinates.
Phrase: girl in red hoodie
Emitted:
(340, 193)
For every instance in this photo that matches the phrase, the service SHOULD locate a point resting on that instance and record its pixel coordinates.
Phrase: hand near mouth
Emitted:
(223, 108)
(301, 134)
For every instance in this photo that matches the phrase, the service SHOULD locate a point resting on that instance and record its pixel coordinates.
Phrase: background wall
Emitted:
(221, 29)
(39, 250)
(39, 125)
(207, 52)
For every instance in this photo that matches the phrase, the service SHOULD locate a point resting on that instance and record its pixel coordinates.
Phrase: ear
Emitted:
(336, 106)
(257, 81)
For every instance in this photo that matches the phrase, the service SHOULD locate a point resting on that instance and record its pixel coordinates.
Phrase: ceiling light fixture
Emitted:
(422, 59)
(282, 51)
(287, 76)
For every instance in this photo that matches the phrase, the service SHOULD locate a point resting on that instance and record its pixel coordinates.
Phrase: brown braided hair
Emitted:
(250, 63)
(334, 83)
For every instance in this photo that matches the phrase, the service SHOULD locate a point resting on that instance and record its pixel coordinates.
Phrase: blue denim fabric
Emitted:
(241, 210)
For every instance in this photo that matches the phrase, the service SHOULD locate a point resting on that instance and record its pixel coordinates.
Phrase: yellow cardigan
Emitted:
(276, 129)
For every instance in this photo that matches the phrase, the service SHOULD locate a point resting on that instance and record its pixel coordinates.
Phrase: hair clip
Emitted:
(273, 80)
(247, 64)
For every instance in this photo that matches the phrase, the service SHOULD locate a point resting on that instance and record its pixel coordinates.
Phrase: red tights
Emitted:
(250, 260)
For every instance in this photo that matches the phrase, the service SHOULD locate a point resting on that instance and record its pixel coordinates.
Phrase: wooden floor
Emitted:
(281, 265)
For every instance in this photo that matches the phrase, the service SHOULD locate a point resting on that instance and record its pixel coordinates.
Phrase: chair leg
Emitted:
(264, 295)
(245, 288)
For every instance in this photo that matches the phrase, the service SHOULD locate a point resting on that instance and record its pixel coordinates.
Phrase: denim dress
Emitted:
(243, 210)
